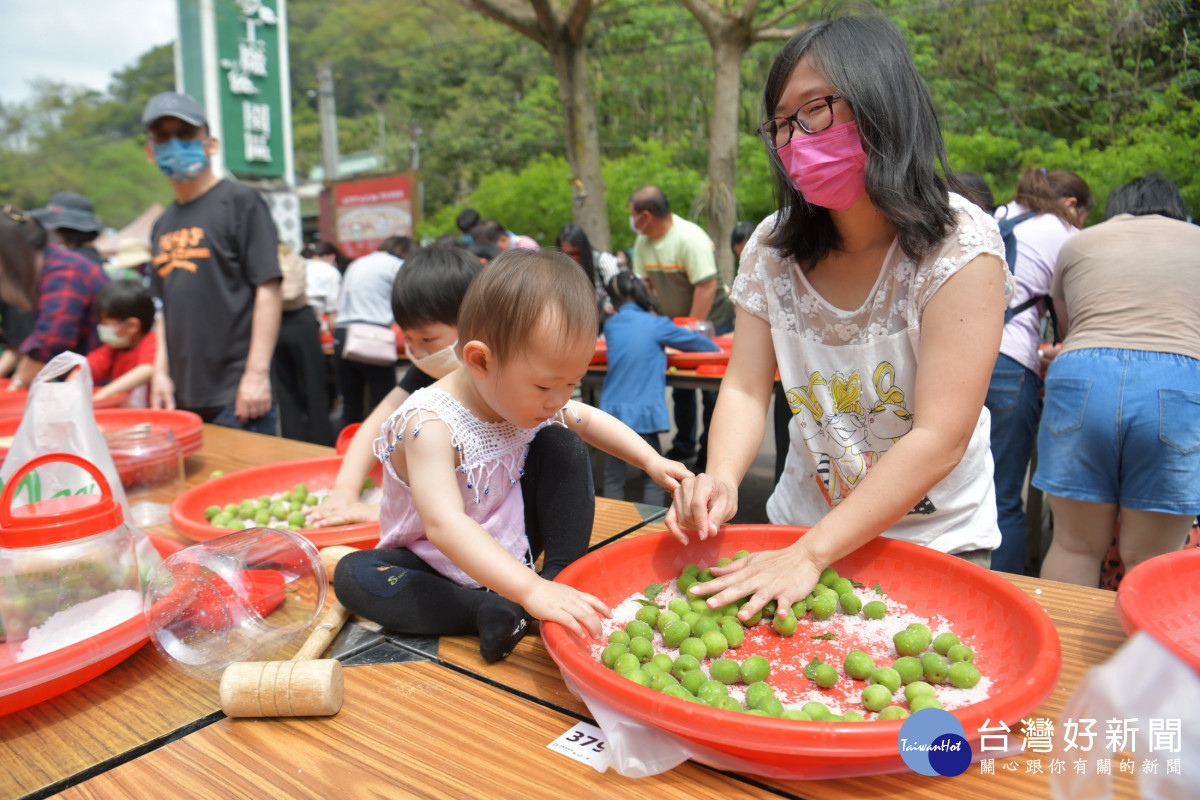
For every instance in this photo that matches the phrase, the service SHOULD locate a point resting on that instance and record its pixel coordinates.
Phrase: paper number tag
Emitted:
(583, 743)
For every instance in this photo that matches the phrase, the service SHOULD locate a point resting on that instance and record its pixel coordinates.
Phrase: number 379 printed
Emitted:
(584, 743)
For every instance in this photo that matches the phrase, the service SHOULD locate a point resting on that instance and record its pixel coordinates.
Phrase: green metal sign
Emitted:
(233, 59)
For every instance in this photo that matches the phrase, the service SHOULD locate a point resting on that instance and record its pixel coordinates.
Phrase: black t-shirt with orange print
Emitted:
(209, 257)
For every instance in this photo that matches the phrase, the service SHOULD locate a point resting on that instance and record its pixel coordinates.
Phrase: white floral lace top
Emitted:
(491, 456)
(849, 377)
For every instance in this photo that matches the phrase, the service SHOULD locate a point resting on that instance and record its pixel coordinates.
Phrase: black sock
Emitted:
(502, 623)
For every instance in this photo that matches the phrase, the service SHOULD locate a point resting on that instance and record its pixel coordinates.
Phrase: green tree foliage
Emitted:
(536, 201)
(1106, 88)
(89, 142)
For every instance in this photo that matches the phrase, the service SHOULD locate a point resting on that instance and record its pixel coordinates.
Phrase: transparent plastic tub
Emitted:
(239, 597)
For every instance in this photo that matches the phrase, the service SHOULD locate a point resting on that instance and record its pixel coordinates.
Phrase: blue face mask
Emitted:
(181, 159)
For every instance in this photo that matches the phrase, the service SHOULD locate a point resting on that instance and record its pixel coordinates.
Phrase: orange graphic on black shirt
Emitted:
(177, 249)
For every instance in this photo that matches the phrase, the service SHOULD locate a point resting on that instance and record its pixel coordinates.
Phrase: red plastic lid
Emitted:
(58, 519)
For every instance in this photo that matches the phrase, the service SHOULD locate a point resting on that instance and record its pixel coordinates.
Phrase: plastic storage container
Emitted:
(68, 568)
(239, 597)
(27, 683)
(149, 460)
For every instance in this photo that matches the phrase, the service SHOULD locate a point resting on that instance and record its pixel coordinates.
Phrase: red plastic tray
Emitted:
(601, 354)
(344, 438)
(1162, 597)
(1016, 645)
(187, 426)
(12, 403)
(696, 360)
(187, 511)
(54, 673)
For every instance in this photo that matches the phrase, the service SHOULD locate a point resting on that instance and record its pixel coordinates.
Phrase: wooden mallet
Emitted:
(305, 686)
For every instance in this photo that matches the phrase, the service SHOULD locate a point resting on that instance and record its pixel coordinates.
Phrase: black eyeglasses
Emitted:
(812, 117)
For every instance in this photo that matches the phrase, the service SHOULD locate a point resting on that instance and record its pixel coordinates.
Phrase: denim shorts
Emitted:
(1122, 427)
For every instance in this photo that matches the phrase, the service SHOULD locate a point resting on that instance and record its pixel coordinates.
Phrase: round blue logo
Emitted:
(933, 742)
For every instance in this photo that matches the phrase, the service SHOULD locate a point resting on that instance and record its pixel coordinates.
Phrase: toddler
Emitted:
(485, 471)
(634, 389)
(124, 362)
(426, 296)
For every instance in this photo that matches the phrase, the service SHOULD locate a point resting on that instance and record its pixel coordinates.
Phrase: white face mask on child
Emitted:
(437, 365)
(108, 335)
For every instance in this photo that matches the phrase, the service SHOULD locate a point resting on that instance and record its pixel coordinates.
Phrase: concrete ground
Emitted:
(752, 495)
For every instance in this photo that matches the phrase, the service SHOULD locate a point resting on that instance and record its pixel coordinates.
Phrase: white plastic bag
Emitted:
(638, 750)
(1143, 681)
(59, 419)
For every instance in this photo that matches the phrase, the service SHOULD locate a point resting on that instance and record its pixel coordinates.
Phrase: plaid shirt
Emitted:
(66, 314)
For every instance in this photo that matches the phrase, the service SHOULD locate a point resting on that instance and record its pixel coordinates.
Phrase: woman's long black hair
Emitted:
(576, 236)
(868, 63)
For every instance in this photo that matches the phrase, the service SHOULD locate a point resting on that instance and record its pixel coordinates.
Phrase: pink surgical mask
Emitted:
(827, 167)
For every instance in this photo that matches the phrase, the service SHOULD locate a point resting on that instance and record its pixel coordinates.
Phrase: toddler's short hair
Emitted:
(506, 303)
(125, 298)
(431, 285)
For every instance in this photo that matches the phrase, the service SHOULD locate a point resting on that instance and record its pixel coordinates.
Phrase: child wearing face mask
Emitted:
(487, 470)
(124, 362)
(426, 295)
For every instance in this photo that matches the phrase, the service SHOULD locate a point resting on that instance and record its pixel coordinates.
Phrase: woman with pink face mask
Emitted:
(871, 268)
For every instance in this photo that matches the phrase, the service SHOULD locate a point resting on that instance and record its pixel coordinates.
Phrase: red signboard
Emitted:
(369, 211)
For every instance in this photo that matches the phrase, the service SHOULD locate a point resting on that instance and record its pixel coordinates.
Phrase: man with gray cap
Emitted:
(71, 219)
(216, 269)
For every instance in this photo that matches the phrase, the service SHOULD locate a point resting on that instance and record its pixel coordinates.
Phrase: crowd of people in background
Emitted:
(853, 283)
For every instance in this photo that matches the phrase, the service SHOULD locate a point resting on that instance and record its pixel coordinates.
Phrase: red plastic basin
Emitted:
(697, 360)
(1162, 597)
(345, 437)
(26, 683)
(187, 426)
(12, 403)
(601, 354)
(187, 511)
(1015, 642)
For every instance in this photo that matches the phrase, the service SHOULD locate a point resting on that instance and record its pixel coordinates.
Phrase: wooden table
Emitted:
(483, 732)
(442, 724)
(143, 702)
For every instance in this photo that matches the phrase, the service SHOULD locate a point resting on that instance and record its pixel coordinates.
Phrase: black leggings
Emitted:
(398, 590)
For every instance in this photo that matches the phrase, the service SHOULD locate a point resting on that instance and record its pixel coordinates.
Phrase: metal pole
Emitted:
(328, 116)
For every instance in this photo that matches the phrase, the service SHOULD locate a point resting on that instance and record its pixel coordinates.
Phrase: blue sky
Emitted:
(79, 42)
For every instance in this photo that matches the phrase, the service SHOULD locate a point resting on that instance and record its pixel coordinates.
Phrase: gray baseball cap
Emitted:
(174, 104)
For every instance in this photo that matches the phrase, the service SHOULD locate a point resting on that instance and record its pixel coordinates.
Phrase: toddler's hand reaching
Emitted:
(332, 512)
(577, 611)
(703, 503)
(667, 473)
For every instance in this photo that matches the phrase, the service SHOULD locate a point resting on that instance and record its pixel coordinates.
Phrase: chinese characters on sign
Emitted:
(250, 43)
(1117, 744)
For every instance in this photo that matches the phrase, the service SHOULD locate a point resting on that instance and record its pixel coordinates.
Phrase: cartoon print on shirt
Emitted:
(888, 419)
(804, 403)
(846, 432)
(177, 248)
